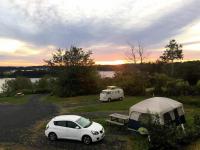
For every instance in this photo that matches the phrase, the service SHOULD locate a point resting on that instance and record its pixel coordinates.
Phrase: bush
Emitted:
(162, 137)
(167, 86)
(159, 82)
(198, 87)
(170, 136)
(44, 85)
(177, 87)
(133, 83)
(77, 80)
(20, 84)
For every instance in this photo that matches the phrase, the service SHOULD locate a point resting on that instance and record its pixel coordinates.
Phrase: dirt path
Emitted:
(16, 119)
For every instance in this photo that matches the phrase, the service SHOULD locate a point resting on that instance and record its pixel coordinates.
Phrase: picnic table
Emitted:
(118, 119)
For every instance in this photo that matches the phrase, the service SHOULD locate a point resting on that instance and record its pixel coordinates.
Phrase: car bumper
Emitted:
(99, 137)
(46, 133)
(103, 100)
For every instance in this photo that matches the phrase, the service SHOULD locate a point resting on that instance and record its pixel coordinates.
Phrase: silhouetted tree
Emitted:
(136, 53)
(77, 74)
(132, 55)
(71, 57)
(173, 52)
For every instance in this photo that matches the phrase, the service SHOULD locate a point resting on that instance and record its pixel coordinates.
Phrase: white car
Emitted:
(74, 127)
(111, 93)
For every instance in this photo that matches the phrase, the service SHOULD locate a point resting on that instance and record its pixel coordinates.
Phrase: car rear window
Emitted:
(60, 123)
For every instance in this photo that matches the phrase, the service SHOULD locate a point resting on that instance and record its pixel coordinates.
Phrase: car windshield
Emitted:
(105, 92)
(84, 122)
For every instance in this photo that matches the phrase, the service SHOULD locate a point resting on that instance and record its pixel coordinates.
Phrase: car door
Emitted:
(60, 129)
(112, 95)
(115, 94)
(74, 130)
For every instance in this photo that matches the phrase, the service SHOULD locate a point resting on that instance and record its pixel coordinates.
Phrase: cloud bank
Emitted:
(104, 26)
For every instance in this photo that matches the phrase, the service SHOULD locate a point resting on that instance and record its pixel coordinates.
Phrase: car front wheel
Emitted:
(87, 140)
(52, 136)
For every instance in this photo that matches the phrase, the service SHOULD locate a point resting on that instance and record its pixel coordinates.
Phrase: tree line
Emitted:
(73, 72)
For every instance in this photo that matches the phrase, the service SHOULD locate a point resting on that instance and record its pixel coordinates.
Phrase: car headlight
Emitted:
(95, 132)
(47, 127)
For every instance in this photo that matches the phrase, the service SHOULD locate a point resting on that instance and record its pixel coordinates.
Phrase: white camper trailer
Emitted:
(111, 93)
(167, 109)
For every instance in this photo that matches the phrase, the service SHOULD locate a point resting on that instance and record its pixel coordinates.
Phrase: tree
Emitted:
(137, 53)
(141, 53)
(131, 56)
(173, 52)
(72, 57)
(77, 74)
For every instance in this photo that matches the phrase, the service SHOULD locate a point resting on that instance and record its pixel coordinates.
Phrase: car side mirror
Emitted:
(77, 127)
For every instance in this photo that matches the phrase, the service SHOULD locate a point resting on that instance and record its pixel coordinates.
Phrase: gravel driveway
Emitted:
(16, 119)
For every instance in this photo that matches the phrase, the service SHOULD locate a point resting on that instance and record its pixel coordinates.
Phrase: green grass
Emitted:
(72, 100)
(110, 106)
(193, 146)
(14, 100)
(189, 100)
(90, 104)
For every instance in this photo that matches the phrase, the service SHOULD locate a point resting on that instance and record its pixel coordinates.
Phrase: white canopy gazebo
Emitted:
(166, 109)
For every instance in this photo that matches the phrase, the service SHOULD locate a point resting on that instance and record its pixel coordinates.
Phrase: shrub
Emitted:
(162, 137)
(198, 87)
(44, 85)
(77, 80)
(159, 82)
(177, 87)
(20, 84)
(133, 83)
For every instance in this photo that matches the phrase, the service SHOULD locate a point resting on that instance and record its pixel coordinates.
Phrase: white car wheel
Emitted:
(87, 140)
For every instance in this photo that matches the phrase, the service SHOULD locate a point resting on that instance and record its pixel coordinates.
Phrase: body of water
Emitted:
(103, 74)
(2, 81)
(108, 74)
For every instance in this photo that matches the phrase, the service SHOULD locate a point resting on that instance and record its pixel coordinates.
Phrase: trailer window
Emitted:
(144, 118)
(167, 118)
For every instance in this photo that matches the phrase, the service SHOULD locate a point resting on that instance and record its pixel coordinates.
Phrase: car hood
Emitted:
(95, 127)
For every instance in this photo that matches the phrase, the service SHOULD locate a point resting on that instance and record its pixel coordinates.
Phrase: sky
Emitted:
(31, 30)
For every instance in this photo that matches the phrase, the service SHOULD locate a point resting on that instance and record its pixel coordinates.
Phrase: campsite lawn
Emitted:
(14, 100)
(89, 106)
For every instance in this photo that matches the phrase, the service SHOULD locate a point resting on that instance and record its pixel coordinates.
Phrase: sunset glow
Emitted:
(115, 62)
(9, 45)
(106, 27)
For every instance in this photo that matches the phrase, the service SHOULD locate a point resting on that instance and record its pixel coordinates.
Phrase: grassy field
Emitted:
(89, 106)
(14, 100)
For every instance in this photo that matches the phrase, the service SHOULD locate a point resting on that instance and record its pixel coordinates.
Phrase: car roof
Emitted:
(67, 118)
(109, 90)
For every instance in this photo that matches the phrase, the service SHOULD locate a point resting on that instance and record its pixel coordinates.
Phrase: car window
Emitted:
(84, 122)
(60, 123)
(71, 124)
